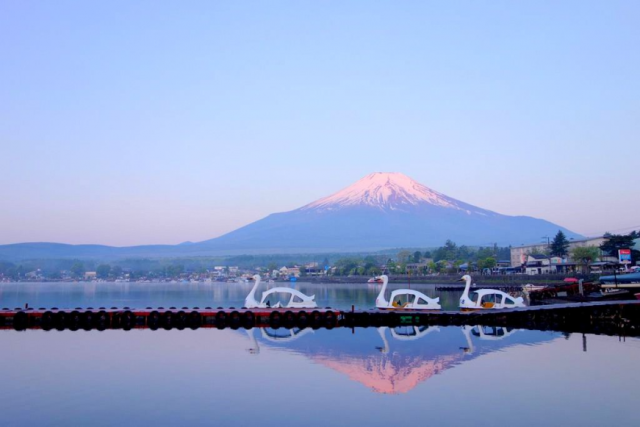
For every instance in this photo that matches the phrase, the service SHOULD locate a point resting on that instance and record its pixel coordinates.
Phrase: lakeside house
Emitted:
(417, 267)
(534, 259)
(519, 254)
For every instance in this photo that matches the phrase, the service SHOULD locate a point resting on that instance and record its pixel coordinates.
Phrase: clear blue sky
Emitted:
(158, 122)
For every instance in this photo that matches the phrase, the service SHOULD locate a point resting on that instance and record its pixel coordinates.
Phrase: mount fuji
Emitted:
(384, 210)
(380, 211)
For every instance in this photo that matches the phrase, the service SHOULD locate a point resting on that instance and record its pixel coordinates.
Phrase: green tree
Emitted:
(403, 257)
(615, 242)
(103, 270)
(272, 266)
(54, 275)
(448, 252)
(464, 253)
(77, 269)
(391, 266)
(489, 262)
(116, 271)
(483, 253)
(585, 255)
(174, 270)
(433, 267)
(374, 271)
(417, 256)
(346, 266)
(560, 245)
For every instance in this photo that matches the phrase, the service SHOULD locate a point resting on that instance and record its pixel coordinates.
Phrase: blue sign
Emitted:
(624, 255)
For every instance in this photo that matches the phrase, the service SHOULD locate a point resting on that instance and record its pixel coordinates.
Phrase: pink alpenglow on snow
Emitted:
(387, 190)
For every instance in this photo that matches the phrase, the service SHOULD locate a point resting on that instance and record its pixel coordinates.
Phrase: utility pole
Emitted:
(548, 253)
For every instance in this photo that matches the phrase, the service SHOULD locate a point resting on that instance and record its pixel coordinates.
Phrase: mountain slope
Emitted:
(384, 210)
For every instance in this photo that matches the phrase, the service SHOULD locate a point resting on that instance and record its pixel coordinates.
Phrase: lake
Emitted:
(446, 376)
(71, 295)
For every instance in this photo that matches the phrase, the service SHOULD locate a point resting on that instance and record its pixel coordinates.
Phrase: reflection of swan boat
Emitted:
(296, 298)
(415, 300)
(484, 299)
(404, 333)
(284, 335)
(485, 333)
(275, 336)
(374, 280)
(411, 333)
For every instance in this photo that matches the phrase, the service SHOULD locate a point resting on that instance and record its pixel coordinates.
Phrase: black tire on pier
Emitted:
(392, 319)
(330, 319)
(167, 320)
(424, 319)
(74, 320)
(248, 320)
(221, 320)
(154, 320)
(302, 320)
(195, 320)
(289, 320)
(127, 320)
(275, 320)
(103, 320)
(87, 320)
(20, 321)
(375, 320)
(47, 321)
(235, 320)
(364, 320)
(316, 319)
(60, 320)
(181, 320)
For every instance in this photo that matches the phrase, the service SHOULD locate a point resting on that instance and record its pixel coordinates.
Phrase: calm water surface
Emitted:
(446, 376)
(71, 295)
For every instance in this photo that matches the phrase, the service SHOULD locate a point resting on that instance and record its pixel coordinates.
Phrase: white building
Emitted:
(519, 254)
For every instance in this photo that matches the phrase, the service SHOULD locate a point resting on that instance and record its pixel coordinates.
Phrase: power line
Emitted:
(633, 227)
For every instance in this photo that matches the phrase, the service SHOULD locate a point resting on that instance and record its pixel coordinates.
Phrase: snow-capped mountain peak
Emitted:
(385, 190)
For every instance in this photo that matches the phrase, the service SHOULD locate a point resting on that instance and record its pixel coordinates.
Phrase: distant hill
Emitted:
(380, 211)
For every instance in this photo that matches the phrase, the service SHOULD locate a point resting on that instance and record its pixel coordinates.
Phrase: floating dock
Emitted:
(612, 317)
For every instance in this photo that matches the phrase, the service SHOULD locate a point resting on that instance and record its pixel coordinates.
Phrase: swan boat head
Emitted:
(381, 301)
(250, 301)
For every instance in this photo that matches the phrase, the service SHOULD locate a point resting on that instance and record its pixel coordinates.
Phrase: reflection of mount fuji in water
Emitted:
(394, 360)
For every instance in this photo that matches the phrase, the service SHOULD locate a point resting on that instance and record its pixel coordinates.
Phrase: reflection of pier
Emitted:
(612, 318)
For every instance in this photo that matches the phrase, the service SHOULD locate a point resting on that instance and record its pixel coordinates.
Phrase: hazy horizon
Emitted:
(145, 123)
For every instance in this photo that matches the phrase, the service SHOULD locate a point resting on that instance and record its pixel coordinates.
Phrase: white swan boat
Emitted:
(415, 300)
(484, 299)
(296, 298)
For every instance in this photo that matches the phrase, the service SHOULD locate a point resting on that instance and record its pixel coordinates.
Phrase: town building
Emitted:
(417, 267)
(519, 254)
